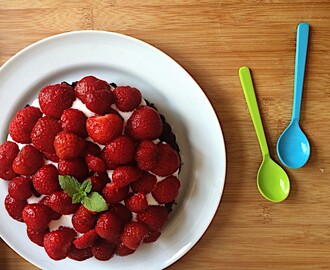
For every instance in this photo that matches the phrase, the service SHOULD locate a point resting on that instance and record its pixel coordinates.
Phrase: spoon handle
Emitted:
(301, 52)
(247, 85)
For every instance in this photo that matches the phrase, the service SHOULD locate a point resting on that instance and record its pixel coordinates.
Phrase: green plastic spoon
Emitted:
(273, 182)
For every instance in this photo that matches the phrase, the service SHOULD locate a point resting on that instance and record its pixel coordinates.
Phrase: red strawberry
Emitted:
(95, 164)
(74, 121)
(102, 129)
(8, 152)
(86, 240)
(137, 203)
(76, 168)
(151, 237)
(93, 149)
(45, 180)
(15, 207)
(20, 188)
(169, 161)
(22, 124)
(82, 220)
(44, 132)
(120, 150)
(37, 237)
(68, 145)
(111, 165)
(127, 98)
(133, 234)
(100, 101)
(57, 243)
(28, 160)
(166, 190)
(99, 180)
(154, 217)
(147, 155)
(61, 203)
(144, 124)
(124, 175)
(54, 215)
(80, 254)
(37, 216)
(109, 226)
(88, 85)
(54, 99)
(122, 250)
(145, 184)
(121, 211)
(51, 156)
(103, 250)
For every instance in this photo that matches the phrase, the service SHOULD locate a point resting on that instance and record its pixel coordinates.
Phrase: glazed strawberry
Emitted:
(20, 188)
(144, 124)
(121, 211)
(15, 207)
(122, 250)
(68, 145)
(76, 168)
(37, 236)
(166, 190)
(37, 216)
(109, 226)
(93, 149)
(54, 99)
(100, 101)
(120, 150)
(80, 254)
(127, 98)
(99, 180)
(137, 203)
(8, 152)
(95, 164)
(111, 165)
(22, 124)
(62, 203)
(82, 220)
(151, 237)
(103, 250)
(51, 156)
(74, 121)
(169, 160)
(124, 175)
(133, 234)
(147, 155)
(145, 184)
(154, 217)
(54, 215)
(28, 160)
(103, 129)
(88, 85)
(44, 132)
(57, 243)
(45, 180)
(86, 240)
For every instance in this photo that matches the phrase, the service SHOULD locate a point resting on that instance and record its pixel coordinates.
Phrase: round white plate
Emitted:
(126, 61)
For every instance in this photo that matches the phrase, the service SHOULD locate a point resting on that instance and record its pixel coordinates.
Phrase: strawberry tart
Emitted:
(92, 170)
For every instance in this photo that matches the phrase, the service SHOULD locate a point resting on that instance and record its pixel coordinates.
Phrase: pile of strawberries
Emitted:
(121, 158)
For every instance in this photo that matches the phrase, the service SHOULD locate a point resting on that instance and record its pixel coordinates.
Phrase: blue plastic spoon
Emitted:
(293, 148)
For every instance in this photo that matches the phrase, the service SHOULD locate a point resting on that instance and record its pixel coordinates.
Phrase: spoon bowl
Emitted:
(273, 182)
(293, 146)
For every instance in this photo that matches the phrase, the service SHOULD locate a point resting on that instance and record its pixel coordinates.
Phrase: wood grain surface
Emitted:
(211, 40)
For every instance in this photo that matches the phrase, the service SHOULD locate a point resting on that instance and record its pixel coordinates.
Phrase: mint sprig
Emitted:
(81, 193)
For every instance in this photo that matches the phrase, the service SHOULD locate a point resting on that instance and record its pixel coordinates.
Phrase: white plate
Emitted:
(125, 61)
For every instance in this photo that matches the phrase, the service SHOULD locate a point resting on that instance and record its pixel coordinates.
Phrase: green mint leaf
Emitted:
(86, 186)
(69, 184)
(78, 197)
(95, 202)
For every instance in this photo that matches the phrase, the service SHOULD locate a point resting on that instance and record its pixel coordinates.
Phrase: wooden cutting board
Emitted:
(211, 40)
